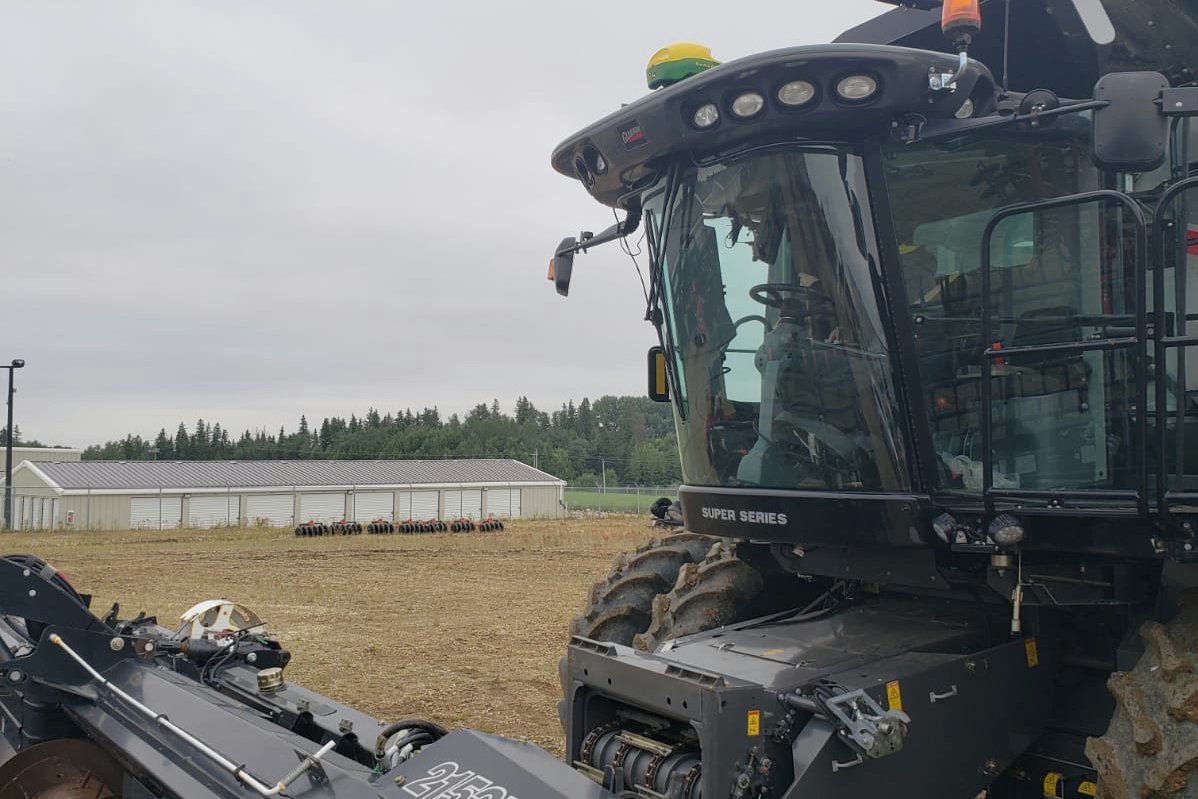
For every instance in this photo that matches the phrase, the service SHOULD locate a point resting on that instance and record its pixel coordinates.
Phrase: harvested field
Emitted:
(463, 629)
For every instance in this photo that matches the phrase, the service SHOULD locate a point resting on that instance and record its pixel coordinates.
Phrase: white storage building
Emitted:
(122, 495)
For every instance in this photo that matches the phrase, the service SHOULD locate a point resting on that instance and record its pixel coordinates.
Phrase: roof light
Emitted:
(747, 105)
(706, 115)
(965, 111)
(857, 87)
(796, 93)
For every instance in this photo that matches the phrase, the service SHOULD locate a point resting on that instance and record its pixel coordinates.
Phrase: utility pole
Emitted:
(16, 364)
(603, 470)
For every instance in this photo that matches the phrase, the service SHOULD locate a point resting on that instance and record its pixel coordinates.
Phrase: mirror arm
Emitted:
(587, 240)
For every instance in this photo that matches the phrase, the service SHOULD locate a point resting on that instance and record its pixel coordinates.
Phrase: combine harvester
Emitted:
(927, 336)
(927, 323)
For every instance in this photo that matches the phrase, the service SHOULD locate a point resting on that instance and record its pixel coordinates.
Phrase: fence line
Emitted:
(616, 499)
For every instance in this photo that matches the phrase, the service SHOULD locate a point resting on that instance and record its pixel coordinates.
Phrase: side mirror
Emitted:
(1132, 132)
(562, 265)
(659, 383)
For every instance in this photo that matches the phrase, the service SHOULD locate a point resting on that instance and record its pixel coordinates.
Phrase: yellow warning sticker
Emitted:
(894, 696)
(1088, 788)
(1052, 780)
(1033, 654)
(754, 722)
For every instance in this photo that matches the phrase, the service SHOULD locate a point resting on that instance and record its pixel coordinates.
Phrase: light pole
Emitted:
(16, 364)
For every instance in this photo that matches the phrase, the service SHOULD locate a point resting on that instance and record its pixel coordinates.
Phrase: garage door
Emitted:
(499, 503)
(373, 505)
(220, 510)
(424, 504)
(472, 504)
(515, 503)
(273, 509)
(403, 506)
(322, 507)
(155, 513)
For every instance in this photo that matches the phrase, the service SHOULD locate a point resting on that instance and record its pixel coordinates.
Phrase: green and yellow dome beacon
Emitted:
(677, 62)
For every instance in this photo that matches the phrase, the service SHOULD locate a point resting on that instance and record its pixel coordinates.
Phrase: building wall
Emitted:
(28, 484)
(541, 502)
(112, 511)
(95, 511)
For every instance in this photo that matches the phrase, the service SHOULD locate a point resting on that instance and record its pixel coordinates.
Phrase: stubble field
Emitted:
(464, 629)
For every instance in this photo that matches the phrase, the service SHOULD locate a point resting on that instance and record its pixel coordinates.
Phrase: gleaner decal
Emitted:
(632, 135)
(450, 781)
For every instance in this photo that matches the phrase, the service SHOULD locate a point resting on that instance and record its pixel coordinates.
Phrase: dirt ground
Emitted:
(463, 629)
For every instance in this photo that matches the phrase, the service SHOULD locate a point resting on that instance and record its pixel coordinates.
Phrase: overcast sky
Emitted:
(244, 211)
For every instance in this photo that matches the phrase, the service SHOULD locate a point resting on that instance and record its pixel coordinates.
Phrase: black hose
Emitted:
(434, 729)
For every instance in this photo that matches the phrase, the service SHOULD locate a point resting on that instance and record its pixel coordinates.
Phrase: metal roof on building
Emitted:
(143, 475)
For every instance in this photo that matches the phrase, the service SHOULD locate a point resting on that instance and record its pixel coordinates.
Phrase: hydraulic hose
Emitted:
(436, 731)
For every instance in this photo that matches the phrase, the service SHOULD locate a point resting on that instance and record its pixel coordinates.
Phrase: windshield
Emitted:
(767, 274)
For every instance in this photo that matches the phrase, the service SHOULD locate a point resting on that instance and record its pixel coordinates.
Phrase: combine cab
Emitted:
(927, 323)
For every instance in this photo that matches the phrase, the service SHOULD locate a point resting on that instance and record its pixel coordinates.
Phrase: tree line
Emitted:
(632, 438)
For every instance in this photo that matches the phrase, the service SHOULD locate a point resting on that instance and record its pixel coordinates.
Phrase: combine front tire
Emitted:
(722, 589)
(1151, 745)
(620, 608)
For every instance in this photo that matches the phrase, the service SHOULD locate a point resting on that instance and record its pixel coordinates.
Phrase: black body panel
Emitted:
(806, 517)
(930, 659)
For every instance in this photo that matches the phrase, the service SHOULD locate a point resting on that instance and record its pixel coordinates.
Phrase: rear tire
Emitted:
(1151, 745)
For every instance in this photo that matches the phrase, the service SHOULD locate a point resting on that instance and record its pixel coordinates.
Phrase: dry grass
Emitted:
(464, 629)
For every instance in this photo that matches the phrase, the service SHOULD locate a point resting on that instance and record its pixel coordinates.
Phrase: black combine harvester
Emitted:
(926, 323)
(928, 326)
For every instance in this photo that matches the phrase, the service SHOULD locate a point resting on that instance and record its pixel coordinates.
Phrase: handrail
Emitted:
(1140, 352)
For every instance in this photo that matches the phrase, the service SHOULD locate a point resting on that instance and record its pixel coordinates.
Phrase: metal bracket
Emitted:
(865, 726)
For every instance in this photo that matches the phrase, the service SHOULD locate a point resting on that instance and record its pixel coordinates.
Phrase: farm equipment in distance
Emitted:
(927, 304)
(386, 527)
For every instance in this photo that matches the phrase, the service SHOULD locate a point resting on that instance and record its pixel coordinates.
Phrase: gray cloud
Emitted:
(247, 211)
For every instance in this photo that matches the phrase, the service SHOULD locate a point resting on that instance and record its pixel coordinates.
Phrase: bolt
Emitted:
(971, 665)
(1187, 546)
(32, 592)
(15, 676)
(116, 644)
(25, 573)
(149, 646)
(400, 779)
(251, 657)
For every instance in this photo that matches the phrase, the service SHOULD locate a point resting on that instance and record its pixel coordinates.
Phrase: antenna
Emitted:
(1006, 49)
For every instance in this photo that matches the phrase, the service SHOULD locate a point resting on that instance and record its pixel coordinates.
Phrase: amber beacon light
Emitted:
(961, 19)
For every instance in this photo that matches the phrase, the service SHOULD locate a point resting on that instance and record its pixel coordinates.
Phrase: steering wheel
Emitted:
(785, 295)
